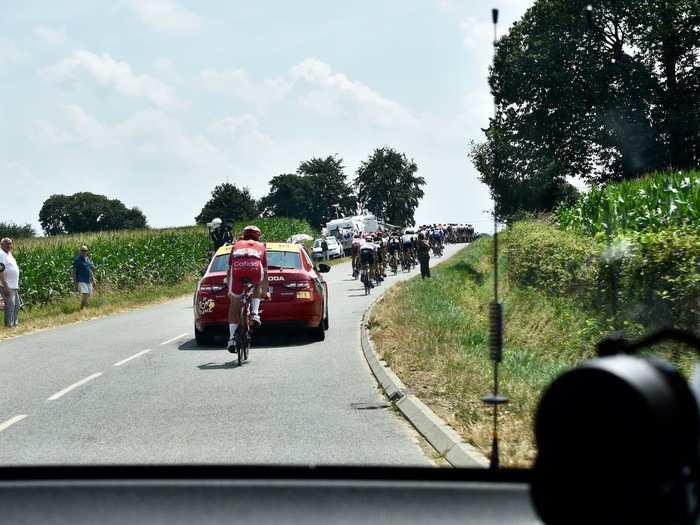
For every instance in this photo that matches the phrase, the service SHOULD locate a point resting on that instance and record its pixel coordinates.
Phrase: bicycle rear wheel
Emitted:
(243, 329)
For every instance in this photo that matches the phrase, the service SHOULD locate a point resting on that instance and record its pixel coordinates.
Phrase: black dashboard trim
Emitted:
(222, 472)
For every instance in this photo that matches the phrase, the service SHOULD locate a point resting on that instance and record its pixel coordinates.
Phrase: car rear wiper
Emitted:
(273, 267)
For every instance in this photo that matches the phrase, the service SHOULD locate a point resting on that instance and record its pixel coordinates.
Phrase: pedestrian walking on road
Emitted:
(83, 276)
(9, 282)
(423, 249)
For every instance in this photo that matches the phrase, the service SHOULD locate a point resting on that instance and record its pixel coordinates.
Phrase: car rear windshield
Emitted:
(220, 263)
(274, 259)
(284, 260)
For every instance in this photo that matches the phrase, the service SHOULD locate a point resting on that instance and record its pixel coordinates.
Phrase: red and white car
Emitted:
(299, 294)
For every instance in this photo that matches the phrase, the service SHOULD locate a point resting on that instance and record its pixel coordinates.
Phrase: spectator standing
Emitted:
(423, 249)
(83, 276)
(9, 282)
(324, 248)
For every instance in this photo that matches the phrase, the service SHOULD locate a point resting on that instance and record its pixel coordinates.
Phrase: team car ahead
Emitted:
(298, 293)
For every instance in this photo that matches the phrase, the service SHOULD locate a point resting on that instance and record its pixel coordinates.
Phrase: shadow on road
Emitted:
(279, 338)
(219, 366)
(192, 345)
(263, 338)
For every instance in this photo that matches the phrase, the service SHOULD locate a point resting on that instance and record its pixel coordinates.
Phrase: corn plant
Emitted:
(127, 260)
(650, 203)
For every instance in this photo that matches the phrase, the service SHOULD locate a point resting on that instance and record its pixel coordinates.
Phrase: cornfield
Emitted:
(651, 203)
(126, 260)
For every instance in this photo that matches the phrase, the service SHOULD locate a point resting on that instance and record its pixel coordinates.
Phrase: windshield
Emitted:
(220, 263)
(139, 138)
(283, 260)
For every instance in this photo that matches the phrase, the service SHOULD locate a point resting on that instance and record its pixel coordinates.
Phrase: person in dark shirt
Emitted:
(423, 249)
(83, 276)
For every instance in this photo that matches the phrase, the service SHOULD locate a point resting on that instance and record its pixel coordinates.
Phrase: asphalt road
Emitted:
(135, 388)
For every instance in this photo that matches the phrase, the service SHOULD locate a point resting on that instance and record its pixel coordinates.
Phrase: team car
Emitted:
(298, 293)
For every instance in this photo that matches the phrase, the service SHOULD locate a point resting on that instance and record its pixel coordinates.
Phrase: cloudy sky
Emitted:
(154, 102)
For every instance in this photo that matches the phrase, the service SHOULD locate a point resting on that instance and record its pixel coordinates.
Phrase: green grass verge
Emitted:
(67, 310)
(434, 335)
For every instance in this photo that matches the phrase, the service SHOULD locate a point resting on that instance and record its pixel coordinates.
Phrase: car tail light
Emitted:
(298, 285)
(211, 288)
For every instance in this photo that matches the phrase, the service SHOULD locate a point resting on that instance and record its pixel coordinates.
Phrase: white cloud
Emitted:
(50, 36)
(166, 16)
(78, 128)
(9, 52)
(238, 84)
(243, 131)
(146, 132)
(118, 75)
(318, 89)
(336, 93)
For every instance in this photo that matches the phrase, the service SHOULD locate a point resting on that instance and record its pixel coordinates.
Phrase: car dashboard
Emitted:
(214, 494)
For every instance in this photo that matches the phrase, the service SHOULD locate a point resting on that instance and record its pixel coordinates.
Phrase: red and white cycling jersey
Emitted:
(248, 261)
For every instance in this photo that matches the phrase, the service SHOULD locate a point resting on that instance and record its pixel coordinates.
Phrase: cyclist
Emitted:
(436, 240)
(355, 252)
(368, 255)
(407, 243)
(381, 256)
(394, 245)
(248, 261)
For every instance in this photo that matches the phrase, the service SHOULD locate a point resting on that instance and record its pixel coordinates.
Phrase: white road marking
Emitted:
(63, 392)
(175, 338)
(120, 363)
(14, 419)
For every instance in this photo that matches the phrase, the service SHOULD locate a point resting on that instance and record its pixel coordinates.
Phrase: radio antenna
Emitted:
(496, 307)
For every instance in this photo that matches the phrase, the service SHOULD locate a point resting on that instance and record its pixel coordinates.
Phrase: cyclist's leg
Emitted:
(255, 303)
(234, 317)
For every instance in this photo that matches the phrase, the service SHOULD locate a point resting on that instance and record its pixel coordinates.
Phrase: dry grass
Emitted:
(102, 304)
(434, 336)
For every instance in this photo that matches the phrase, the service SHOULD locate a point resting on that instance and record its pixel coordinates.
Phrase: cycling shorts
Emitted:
(367, 257)
(407, 246)
(355, 250)
(245, 269)
(393, 248)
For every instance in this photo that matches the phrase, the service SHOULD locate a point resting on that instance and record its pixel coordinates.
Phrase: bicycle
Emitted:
(244, 334)
(365, 278)
(394, 263)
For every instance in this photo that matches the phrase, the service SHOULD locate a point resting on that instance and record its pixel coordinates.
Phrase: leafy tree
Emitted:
(54, 214)
(87, 212)
(513, 193)
(229, 203)
(290, 195)
(603, 98)
(16, 231)
(311, 193)
(388, 185)
(328, 187)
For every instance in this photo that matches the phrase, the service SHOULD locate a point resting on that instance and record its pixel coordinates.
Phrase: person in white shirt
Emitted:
(9, 282)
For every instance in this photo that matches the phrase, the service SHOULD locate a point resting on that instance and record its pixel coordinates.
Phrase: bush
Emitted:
(650, 279)
(127, 260)
(543, 257)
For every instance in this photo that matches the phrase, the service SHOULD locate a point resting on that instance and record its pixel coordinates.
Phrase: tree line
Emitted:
(602, 94)
(386, 183)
